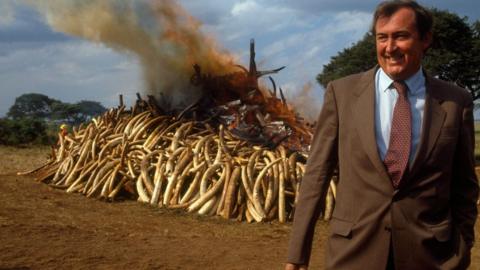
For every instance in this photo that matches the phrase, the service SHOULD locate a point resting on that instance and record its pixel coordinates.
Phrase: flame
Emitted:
(164, 37)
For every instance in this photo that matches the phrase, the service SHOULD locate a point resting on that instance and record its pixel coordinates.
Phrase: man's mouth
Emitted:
(394, 59)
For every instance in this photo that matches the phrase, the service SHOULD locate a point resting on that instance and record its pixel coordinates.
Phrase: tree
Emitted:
(32, 105)
(24, 131)
(87, 109)
(451, 55)
(65, 112)
(454, 55)
(28, 118)
(42, 107)
(476, 57)
(78, 112)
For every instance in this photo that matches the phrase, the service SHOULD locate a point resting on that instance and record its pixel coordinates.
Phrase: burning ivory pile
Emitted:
(198, 164)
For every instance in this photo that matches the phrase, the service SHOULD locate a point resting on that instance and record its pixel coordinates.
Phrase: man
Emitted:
(403, 142)
(63, 130)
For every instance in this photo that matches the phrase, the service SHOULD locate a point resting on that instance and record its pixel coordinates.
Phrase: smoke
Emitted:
(166, 40)
(306, 103)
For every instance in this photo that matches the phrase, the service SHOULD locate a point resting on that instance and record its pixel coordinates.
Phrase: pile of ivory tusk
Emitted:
(178, 164)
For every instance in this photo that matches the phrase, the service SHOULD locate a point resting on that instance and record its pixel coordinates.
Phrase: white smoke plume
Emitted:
(306, 103)
(164, 37)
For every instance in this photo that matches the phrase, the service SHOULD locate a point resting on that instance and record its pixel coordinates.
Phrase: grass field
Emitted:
(46, 228)
(16, 159)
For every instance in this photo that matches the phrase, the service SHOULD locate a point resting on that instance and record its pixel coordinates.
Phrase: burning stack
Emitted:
(238, 151)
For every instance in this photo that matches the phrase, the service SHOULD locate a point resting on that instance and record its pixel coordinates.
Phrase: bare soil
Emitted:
(46, 228)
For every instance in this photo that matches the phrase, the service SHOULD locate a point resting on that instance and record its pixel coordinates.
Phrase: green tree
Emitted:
(475, 78)
(31, 105)
(78, 112)
(65, 112)
(88, 109)
(450, 56)
(42, 107)
(454, 55)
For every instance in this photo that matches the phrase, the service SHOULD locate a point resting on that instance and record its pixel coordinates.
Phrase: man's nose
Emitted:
(391, 45)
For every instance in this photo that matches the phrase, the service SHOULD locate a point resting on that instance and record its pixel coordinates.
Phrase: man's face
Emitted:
(399, 47)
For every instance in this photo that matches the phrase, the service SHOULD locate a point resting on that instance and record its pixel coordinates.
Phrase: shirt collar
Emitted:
(415, 83)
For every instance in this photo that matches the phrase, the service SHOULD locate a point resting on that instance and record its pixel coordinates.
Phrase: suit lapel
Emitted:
(364, 114)
(433, 119)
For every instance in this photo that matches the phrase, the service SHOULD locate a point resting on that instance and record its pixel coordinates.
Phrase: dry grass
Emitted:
(15, 159)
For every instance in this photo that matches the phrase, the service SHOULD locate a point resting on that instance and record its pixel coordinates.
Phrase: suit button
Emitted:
(388, 228)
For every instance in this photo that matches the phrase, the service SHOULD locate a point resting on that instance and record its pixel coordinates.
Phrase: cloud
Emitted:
(69, 71)
(325, 36)
(23, 24)
(463, 7)
(322, 6)
(210, 12)
(244, 7)
(6, 13)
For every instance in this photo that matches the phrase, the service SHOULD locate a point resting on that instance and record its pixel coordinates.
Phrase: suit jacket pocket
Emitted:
(341, 227)
(442, 231)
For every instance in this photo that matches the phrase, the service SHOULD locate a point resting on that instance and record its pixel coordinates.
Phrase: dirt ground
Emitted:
(46, 228)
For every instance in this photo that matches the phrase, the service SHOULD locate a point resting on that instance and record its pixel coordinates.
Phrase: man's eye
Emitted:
(381, 38)
(402, 36)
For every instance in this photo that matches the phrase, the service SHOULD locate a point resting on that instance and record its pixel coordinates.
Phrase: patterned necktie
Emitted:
(396, 158)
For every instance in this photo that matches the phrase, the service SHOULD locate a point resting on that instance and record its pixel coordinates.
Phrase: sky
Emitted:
(302, 35)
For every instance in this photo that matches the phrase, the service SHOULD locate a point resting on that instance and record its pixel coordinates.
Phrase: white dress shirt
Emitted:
(385, 99)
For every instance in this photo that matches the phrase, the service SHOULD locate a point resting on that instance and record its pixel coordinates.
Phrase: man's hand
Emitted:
(291, 266)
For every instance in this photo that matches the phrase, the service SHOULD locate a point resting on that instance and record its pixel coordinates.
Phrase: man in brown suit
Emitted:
(403, 142)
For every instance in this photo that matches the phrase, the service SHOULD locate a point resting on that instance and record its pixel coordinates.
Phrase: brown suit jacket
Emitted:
(429, 220)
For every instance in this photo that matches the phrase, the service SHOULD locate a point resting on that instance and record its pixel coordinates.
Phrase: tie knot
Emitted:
(401, 88)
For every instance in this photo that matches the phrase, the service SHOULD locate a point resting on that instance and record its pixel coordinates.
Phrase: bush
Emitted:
(24, 131)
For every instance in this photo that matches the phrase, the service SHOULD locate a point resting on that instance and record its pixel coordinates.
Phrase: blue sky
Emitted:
(301, 35)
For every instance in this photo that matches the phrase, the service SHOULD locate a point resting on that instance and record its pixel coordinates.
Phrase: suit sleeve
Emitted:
(464, 183)
(322, 160)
